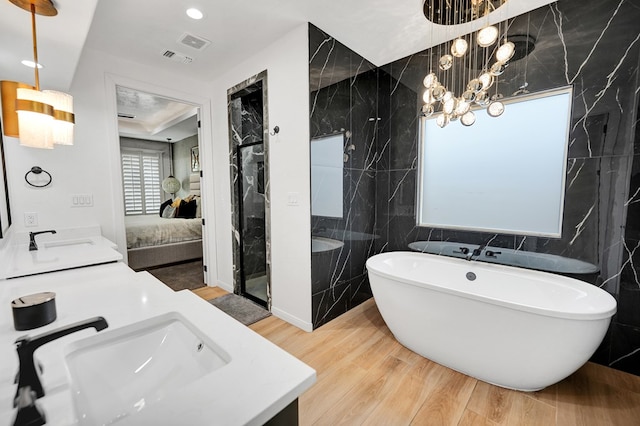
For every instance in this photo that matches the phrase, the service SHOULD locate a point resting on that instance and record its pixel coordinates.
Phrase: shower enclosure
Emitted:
(249, 179)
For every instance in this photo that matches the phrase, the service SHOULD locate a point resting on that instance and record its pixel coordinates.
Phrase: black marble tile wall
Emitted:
(248, 142)
(596, 50)
(343, 99)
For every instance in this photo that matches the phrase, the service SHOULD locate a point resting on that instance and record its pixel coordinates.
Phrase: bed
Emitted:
(153, 240)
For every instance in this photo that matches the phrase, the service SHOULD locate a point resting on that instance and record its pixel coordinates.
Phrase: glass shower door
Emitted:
(253, 248)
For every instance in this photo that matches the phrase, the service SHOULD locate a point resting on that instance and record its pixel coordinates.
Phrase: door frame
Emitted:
(235, 203)
(206, 167)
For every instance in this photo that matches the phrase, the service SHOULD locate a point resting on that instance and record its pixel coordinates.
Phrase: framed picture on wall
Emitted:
(195, 159)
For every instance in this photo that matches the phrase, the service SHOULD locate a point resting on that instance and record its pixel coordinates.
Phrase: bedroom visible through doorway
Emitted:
(159, 154)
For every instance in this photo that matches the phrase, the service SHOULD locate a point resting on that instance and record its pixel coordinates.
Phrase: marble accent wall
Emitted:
(343, 99)
(595, 48)
(249, 124)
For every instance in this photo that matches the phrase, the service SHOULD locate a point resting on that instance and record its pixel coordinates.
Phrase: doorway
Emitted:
(159, 141)
(248, 142)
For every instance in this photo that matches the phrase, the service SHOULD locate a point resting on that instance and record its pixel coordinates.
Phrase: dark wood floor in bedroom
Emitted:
(181, 276)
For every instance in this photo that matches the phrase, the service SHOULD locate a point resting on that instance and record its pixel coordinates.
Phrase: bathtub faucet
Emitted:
(491, 253)
(476, 252)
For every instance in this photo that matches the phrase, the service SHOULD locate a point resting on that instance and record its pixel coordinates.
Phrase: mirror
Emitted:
(327, 159)
(507, 174)
(195, 159)
(5, 209)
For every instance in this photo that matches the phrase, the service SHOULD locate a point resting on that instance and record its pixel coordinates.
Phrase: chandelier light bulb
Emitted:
(469, 96)
(438, 92)
(505, 52)
(497, 69)
(487, 36)
(495, 109)
(448, 95)
(468, 119)
(459, 47)
(486, 80)
(482, 98)
(462, 107)
(427, 97)
(428, 110)
(442, 120)
(474, 85)
(430, 80)
(449, 106)
(446, 61)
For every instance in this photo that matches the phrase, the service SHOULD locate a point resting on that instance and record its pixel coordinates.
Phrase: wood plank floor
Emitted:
(365, 377)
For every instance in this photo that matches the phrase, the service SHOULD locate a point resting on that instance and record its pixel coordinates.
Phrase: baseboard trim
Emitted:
(295, 321)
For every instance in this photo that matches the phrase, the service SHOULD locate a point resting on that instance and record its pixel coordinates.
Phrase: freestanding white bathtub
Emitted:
(511, 327)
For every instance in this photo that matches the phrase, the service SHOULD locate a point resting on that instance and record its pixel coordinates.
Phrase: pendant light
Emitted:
(43, 117)
(170, 184)
(462, 78)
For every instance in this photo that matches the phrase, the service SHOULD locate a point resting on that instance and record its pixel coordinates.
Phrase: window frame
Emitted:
(151, 193)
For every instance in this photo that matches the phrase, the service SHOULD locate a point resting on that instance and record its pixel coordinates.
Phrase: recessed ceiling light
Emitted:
(30, 64)
(194, 13)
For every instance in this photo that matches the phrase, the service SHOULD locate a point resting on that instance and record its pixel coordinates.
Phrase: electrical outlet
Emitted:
(30, 219)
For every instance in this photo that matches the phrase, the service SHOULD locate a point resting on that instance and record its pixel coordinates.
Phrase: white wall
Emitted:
(286, 62)
(92, 164)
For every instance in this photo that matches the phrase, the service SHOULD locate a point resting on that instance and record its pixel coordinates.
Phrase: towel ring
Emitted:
(36, 171)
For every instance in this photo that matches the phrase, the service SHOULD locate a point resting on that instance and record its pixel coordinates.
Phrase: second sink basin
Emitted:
(116, 374)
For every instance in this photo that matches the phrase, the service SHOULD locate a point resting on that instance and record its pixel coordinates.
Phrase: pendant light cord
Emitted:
(35, 45)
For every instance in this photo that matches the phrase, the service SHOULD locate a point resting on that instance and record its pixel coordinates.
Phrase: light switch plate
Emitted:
(81, 200)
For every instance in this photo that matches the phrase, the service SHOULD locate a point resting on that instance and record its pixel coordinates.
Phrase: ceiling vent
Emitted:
(193, 41)
(177, 56)
(129, 116)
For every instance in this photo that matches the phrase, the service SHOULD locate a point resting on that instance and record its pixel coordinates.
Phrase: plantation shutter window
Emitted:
(141, 178)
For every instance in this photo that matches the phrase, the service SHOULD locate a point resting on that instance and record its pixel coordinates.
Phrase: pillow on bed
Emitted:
(198, 206)
(169, 212)
(163, 205)
(187, 210)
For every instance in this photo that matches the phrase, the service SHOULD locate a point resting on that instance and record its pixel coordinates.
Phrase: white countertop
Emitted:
(259, 381)
(67, 249)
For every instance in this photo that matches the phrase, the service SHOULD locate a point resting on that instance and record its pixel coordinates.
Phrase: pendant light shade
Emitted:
(35, 119)
(171, 185)
(43, 117)
(63, 116)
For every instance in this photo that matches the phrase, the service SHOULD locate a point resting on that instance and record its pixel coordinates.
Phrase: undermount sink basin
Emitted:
(321, 244)
(65, 243)
(117, 374)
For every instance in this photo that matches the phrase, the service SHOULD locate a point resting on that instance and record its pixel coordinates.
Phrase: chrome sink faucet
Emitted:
(26, 346)
(32, 238)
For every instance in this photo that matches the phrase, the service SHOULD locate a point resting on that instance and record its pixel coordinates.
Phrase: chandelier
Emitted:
(39, 118)
(465, 77)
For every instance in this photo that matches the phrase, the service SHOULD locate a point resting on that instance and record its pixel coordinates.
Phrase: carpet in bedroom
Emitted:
(181, 276)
